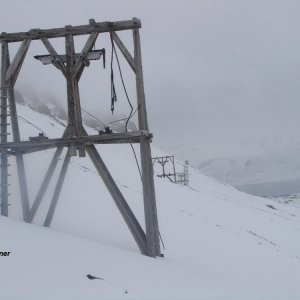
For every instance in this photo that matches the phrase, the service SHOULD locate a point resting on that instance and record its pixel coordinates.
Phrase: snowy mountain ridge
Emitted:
(219, 243)
(272, 161)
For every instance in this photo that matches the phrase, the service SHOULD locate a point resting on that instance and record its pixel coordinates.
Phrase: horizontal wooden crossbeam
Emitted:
(113, 138)
(36, 34)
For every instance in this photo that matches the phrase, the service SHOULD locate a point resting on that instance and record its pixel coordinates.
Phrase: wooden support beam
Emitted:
(23, 186)
(56, 60)
(124, 50)
(46, 180)
(36, 34)
(84, 53)
(57, 190)
(152, 230)
(45, 183)
(75, 136)
(10, 80)
(78, 117)
(131, 221)
(84, 140)
(9, 77)
(3, 130)
(16, 64)
(71, 83)
(19, 156)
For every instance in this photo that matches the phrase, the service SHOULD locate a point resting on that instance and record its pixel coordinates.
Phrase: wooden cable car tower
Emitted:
(75, 137)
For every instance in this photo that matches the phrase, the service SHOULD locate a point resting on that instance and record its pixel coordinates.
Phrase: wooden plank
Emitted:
(15, 66)
(84, 53)
(56, 60)
(36, 34)
(124, 50)
(113, 138)
(45, 183)
(152, 230)
(130, 219)
(57, 190)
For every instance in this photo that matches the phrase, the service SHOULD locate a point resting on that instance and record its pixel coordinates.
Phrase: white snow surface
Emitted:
(219, 243)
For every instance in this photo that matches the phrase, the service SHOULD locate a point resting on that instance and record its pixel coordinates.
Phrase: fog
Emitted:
(218, 74)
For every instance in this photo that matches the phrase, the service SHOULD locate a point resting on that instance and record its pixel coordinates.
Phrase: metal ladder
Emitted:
(4, 114)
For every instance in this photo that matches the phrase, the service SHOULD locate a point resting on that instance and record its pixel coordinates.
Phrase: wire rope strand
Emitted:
(33, 125)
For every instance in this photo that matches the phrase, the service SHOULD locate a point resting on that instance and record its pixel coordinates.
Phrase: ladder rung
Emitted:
(2, 115)
(7, 165)
(4, 124)
(8, 133)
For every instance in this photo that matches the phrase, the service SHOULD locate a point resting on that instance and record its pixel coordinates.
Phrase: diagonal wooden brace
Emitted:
(56, 60)
(124, 51)
(130, 219)
(79, 64)
(57, 190)
(15, 66)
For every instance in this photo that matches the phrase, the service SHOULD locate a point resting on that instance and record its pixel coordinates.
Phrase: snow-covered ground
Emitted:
(219, 243)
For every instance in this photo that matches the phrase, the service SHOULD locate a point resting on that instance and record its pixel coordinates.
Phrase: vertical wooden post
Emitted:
(74, 111)
(10, 80)
(186, 172)
(152, 231)
(70, 84)
(3, 130)
(19, 156)
(9, 74)
(174, 171)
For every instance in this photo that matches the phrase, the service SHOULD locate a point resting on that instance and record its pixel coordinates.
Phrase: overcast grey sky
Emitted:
(216, 71)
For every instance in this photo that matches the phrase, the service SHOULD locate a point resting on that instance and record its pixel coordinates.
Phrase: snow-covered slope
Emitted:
(219, 243)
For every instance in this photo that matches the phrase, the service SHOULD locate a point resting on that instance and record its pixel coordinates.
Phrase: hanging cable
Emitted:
(123, 119)
(36, 127)
(161, 240)
(122, 80)
(136, 160)
(97, 119)
(112, 82)
(114, 52)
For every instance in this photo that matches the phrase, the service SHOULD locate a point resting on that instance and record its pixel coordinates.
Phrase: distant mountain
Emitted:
(267, 166)
(48, 104)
